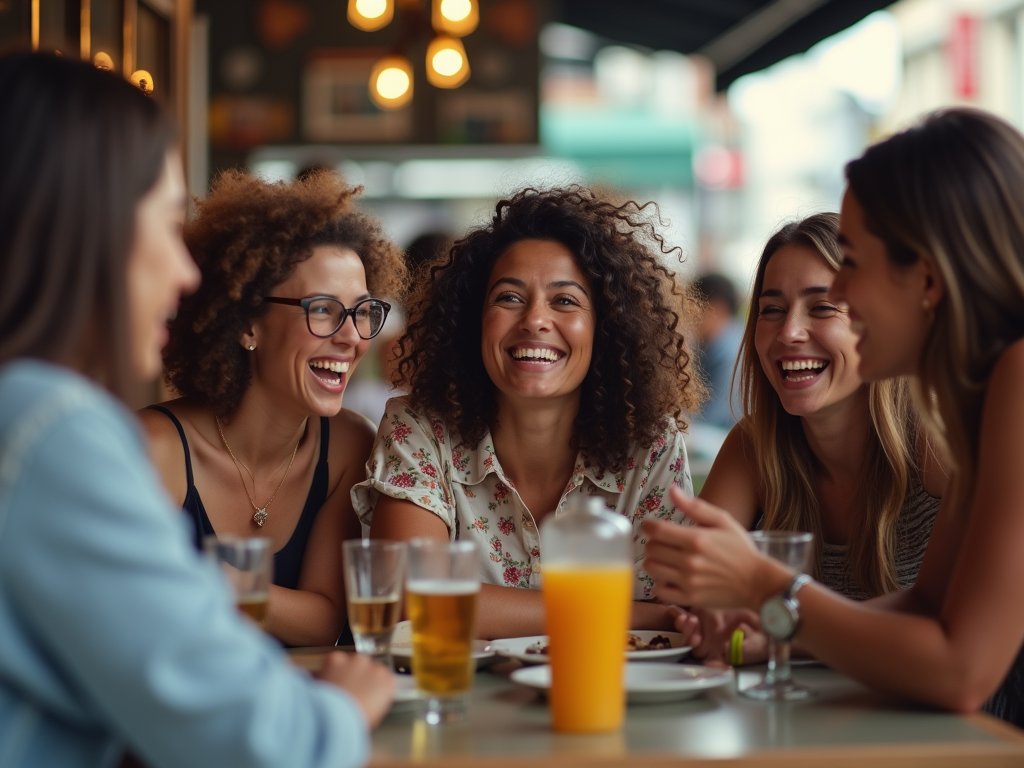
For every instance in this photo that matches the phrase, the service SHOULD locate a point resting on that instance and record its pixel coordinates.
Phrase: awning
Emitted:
(738, 36)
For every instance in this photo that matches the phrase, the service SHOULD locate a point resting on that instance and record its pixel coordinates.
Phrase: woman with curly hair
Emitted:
(543, 360)
(818, 449)
(260, 355)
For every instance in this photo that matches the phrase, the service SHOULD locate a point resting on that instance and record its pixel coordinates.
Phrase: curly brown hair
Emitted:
(639, 376)
(247, 237)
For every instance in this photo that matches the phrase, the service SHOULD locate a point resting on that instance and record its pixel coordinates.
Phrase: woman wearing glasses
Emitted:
(545, 361)
(259, 444)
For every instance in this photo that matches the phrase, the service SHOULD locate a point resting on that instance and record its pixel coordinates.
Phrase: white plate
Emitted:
(515, 647)
(401, 647)
(645, 683)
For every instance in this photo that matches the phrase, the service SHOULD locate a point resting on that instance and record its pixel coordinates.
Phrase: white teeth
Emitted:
(802, 365)
(537, 354)
(331, 365)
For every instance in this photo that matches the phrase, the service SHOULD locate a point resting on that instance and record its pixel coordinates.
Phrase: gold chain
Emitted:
(260, 517)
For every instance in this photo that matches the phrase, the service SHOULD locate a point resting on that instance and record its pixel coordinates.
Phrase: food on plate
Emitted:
(633, 643)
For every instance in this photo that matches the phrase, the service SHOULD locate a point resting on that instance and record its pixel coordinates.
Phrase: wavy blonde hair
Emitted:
(952, 190)
(787, 467)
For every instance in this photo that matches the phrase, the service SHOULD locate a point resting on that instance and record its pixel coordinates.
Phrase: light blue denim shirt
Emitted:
(114, 633)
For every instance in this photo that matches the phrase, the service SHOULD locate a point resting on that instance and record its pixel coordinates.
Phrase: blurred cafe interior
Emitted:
(732, 117)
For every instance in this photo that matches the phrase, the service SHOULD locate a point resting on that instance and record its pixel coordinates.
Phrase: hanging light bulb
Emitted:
(143, 81)
(370, 15)
(391, 82)
(102, 60)
(455, 17)
(447, 65)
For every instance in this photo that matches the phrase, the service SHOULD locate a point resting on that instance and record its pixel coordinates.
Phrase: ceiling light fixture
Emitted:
(391, 79)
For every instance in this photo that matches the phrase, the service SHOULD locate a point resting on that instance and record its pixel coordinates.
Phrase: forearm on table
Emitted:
(514, 612)
(299, 617)
(901, 653)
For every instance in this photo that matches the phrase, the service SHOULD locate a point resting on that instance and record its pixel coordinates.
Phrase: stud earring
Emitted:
(928, 311)
(252, 347)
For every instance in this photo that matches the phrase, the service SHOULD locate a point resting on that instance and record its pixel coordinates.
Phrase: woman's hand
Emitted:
(710, 633)
(712, 564)
(366, 681)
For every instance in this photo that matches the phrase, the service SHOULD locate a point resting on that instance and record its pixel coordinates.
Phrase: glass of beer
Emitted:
(441, 592)
(249, 565)
(374, 571)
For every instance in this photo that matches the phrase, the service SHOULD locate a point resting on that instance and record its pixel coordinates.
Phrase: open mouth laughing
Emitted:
(330, 372)
(801, 370)
(539, 356)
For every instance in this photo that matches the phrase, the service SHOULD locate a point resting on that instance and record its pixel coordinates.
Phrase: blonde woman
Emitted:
(819, 449)
(933, 272)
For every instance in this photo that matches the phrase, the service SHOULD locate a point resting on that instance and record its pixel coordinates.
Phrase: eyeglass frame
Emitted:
(346, 312)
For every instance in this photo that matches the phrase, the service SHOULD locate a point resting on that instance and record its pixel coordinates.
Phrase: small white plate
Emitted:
(645, 683)
(401, 647)
(515, 648)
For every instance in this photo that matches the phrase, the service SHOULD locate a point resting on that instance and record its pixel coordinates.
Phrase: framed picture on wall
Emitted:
(337, 105)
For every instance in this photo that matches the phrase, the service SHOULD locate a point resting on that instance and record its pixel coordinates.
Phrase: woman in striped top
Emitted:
(818, 449)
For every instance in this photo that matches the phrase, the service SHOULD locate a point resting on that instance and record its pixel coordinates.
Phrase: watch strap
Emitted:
(799, 581)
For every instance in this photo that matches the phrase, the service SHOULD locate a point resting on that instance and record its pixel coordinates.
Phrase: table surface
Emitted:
(845, 724)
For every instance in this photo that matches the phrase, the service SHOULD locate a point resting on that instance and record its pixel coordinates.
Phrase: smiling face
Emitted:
(538, 322)
(887, 302)
(291, 364)
(803, 340)
(160, 268)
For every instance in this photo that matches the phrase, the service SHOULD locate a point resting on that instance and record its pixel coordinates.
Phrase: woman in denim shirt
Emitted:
(115, 635)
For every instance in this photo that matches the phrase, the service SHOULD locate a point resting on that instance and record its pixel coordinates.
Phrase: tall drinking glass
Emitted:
(441, 592)
(794, 550)
(374, 571)
(248, 563)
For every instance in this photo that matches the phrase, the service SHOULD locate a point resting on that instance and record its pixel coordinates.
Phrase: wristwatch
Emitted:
(780, 614)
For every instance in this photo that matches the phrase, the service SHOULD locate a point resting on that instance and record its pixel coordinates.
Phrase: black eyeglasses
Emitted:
(325, 316)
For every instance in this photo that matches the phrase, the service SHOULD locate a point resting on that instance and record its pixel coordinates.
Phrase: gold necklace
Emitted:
(260, 517)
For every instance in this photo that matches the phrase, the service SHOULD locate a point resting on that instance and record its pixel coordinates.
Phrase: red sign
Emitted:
(963, 56)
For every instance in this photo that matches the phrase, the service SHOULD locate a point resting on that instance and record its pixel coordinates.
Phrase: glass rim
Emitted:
(460, 545)
(234, 539)
(782, 536)
(367, 544)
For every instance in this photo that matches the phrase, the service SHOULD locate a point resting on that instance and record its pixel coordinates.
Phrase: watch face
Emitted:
(777, 618)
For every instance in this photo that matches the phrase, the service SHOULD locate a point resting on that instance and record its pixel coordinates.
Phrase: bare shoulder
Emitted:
(165, 448)
(732, 481)
(351, 440)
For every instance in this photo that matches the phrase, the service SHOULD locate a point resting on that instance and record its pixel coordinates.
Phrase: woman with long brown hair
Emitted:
(116, 634)
(932, 229)
(818, 448)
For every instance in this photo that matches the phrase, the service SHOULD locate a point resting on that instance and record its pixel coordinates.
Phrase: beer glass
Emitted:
(441, 592)
(249, 565)
(373, 586)
(794, 550)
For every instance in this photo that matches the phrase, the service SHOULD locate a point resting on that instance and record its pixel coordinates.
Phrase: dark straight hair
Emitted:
(79, 147)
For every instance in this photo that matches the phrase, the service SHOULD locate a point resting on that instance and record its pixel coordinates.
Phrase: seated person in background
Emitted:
(543, 359)
(261, 354)
(819, 449)
(720, 335)
(115, 634)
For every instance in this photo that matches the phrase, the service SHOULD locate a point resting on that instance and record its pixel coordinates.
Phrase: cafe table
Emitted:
(845, 724)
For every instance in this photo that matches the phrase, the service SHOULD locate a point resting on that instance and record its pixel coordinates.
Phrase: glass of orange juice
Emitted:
(588, 586)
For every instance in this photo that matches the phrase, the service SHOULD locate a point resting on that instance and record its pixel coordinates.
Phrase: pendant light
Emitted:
(370, 15)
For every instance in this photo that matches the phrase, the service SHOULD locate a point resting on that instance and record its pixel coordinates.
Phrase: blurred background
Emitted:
(733, 115)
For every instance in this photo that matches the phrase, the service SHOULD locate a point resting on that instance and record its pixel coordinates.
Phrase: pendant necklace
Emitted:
(260, 517)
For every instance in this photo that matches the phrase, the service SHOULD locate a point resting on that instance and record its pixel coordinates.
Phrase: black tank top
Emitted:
(288, 559)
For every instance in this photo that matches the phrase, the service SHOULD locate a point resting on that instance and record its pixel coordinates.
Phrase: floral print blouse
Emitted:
(414, 460)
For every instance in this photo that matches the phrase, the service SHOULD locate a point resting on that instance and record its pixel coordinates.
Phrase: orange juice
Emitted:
(587, 612)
